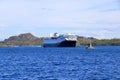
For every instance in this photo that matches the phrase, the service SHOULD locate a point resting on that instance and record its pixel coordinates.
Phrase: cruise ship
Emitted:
(64, 40)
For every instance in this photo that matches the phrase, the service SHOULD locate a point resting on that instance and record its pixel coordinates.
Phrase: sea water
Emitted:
(79, 63)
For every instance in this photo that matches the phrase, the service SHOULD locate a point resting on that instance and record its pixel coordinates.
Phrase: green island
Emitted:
(27, 39)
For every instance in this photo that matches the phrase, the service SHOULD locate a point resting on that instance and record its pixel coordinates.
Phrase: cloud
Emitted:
(3, 26)
(28, 15)
(41, 12)
(99, 34)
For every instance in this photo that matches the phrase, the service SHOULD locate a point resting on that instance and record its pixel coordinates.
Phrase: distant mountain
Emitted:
(21, 37)
(26, 39)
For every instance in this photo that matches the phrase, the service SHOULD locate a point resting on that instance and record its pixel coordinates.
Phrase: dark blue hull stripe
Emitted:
(62, 44)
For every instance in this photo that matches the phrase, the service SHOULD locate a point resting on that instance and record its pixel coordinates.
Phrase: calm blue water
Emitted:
(37, 63)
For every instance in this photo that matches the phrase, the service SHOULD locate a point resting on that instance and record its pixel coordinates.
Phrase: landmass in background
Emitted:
(27, 39)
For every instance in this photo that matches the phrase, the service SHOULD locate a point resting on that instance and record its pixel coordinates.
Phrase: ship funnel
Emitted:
(56, 34)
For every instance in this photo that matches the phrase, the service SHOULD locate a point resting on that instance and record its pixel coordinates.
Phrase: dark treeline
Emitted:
(102, 42)
(107, 42)
(28, 39)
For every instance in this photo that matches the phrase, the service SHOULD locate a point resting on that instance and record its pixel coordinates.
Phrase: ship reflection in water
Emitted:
(64, 40)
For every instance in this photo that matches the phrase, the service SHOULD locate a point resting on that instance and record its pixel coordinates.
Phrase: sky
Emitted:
(89, 18)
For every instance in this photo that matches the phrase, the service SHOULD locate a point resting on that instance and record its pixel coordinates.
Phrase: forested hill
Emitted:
(27, 39)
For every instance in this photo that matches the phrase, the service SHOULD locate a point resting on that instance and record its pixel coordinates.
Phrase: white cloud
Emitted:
(94, 14)
(38, 12)
(3, 26)
(99, 34)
